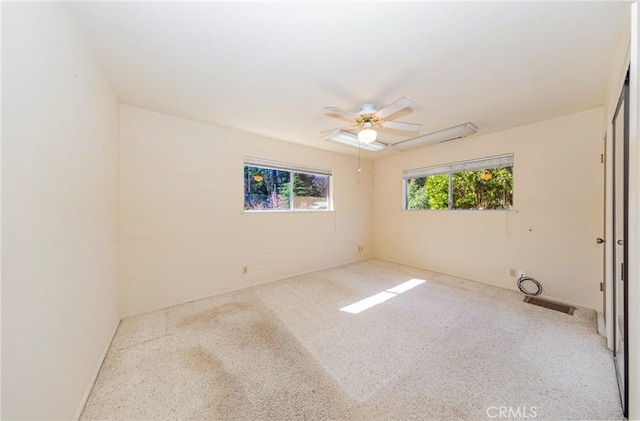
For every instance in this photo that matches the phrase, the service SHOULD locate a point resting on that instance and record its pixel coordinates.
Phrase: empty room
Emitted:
(320, 210)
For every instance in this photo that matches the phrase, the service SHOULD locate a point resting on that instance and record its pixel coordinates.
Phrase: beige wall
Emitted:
(183, 232)
(551, 233)
(59, 216)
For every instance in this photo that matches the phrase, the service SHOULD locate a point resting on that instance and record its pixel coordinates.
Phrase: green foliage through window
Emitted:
(485, 188)
(428, 192)
(276, 189)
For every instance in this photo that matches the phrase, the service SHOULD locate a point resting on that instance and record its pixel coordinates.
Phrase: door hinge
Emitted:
(601, 286)
(602, 158)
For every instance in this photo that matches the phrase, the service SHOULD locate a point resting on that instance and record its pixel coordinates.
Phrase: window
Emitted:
(276, 186)
(479, 184)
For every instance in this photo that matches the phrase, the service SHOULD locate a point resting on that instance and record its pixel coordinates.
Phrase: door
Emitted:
(620, 255)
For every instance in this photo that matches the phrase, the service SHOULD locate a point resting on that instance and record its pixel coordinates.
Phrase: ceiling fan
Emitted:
(369, 118)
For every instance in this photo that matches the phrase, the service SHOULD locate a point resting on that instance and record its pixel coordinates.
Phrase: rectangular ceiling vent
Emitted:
(563, 308)
(453, 138)
(445, 135)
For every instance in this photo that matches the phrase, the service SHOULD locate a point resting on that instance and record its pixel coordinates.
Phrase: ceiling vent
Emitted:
(445, 135)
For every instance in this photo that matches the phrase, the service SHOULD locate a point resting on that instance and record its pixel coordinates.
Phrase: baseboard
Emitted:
(95, 375)
(602, 329)
(227, 291)
(493, 284)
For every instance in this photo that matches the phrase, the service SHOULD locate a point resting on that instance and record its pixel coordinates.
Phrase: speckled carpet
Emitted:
(442, 349)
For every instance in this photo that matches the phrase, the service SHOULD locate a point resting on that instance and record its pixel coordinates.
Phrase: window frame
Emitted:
(491, 162)
(291, 168)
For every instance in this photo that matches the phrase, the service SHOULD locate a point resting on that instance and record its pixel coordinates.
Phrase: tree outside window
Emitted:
(278, 189)
(479, 184)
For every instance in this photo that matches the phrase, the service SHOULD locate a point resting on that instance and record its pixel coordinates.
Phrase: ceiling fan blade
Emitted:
(340, 111)
(399, 125)
(393, 108)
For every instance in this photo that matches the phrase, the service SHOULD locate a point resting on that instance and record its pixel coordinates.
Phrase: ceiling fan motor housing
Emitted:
(367, 116)
(367, 109)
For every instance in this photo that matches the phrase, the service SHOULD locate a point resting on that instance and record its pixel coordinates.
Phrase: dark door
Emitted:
(620, 236)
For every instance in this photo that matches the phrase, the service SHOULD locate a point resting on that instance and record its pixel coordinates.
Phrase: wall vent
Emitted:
(563, 308)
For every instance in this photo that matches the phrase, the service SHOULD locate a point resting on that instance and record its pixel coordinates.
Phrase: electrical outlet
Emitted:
(521, 273)
(245, 270)
(360, 248)
(512, 272)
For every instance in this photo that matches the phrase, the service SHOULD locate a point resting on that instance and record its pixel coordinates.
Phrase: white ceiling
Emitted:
(269, 68)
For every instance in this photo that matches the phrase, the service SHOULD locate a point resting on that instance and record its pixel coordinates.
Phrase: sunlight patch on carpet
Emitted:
(381, 297)
(406, 286)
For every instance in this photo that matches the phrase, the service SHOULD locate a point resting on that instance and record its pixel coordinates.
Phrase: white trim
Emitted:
(267, 164)
(634, 222)
(492, 162)
(620, 78)
(601, 324)
(87, 392)
(499, 161)
(286, 210)
(241, 288)
(512, 287)
(514, 211)
(285, 166)
(608, 238)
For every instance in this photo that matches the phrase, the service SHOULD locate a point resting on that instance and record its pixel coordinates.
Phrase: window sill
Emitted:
(463, 210)
(290, 211)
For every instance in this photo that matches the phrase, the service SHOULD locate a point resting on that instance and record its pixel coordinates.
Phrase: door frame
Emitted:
(624, 97)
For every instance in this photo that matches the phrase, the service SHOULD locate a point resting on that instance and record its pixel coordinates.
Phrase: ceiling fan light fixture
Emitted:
(350, 139)
(367, 136)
